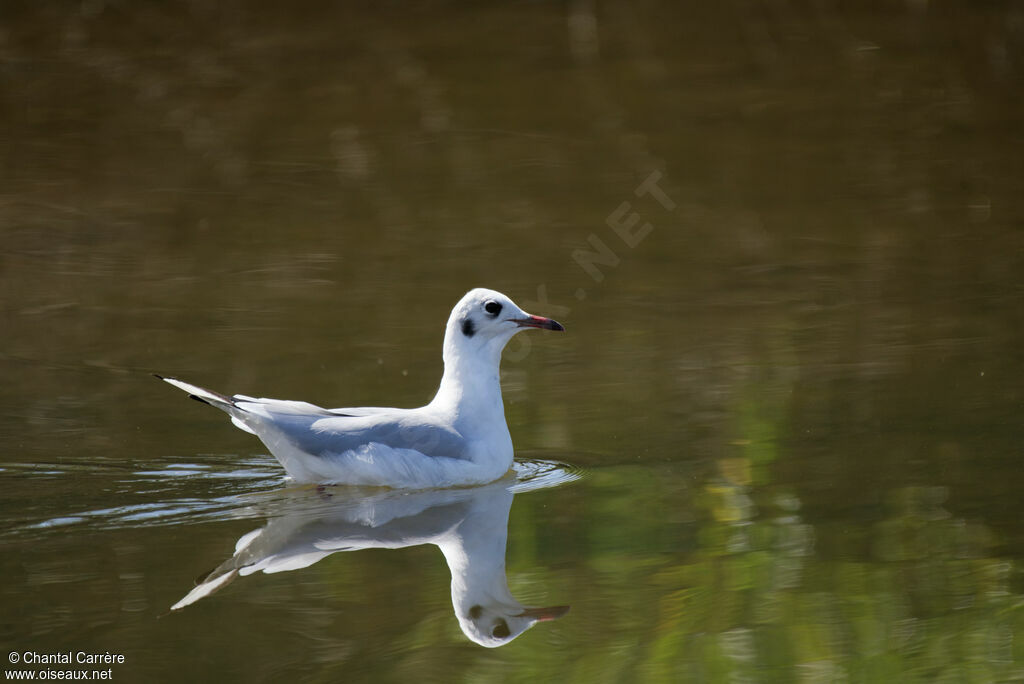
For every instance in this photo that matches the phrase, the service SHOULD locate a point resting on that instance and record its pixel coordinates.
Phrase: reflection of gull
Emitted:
(470, 526)
(459, 438)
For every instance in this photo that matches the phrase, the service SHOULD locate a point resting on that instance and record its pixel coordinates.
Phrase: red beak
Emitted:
(545, 614)
(538, 322)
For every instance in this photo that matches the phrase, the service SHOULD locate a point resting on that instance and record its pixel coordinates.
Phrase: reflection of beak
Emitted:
(545, 614)
(538, 322)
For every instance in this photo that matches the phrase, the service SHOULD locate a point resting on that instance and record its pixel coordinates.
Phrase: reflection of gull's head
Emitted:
(475, 550)
(498, 623)
(470, 526)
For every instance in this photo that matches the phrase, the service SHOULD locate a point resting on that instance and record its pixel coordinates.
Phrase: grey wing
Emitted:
(398, 429)
(264, 405)
(359, 411)
(305, 408)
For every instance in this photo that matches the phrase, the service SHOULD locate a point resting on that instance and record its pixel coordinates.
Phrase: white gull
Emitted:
(459, 438)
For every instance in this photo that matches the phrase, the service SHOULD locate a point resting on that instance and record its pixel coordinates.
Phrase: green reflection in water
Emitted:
(754, 598)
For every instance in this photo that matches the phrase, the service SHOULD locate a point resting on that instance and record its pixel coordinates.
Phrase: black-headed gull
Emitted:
(459, 438)
(469, 525)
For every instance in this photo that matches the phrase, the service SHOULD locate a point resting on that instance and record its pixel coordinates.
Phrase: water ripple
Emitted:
(533, 474)
(210, 491)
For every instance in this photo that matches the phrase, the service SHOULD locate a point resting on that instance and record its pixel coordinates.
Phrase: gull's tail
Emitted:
(222, 401)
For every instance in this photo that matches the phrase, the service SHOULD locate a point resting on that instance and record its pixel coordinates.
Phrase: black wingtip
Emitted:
(202, 577)
(158, 376)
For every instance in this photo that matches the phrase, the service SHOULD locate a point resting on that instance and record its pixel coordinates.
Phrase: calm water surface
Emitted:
(780, 441)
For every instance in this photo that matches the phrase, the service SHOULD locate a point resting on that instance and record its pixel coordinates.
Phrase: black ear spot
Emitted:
(492, 307)
(475, 612)
(501, 630)
(468, 329)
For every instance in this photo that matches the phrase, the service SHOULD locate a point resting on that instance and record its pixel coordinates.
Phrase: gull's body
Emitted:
(459, 438)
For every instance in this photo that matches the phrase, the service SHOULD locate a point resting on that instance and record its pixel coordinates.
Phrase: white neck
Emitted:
(471, 384)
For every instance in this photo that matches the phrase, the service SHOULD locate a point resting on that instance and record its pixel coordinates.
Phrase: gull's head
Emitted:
(486, 320)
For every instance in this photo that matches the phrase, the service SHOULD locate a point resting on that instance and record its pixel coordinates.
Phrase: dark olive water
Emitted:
(780, 441)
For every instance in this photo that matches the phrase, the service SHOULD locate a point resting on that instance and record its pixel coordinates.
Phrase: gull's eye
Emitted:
(492, 307)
